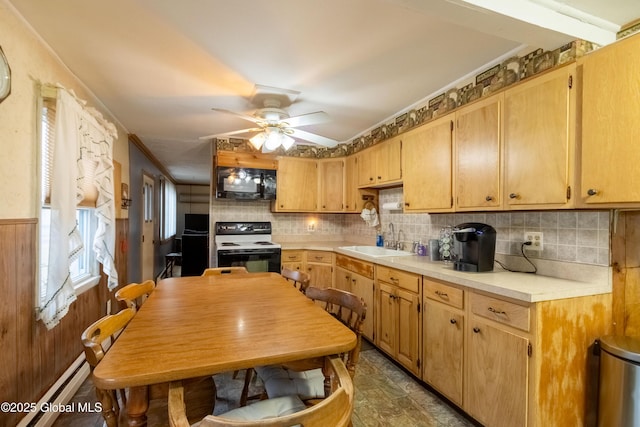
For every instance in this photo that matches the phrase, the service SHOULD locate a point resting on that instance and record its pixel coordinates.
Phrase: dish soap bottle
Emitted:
(379, 240)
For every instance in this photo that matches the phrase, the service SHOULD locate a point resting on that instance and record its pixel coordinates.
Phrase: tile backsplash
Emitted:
(569, 236)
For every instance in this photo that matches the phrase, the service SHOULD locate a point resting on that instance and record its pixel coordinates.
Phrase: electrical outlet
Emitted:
(311, 227)
(535, 237)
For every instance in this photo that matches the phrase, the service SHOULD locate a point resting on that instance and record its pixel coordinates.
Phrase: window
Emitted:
(78, 226)
(84, 271)
(168, 208)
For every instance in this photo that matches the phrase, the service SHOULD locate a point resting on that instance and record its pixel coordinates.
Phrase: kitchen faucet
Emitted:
(400, 242)
(391, 243)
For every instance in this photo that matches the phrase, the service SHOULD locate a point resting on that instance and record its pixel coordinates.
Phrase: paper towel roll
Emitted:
(392, 206)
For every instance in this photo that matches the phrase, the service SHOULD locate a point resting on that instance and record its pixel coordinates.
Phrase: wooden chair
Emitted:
(214, 271)
(334, 410)
(94, 339)
(299, 278)
(348, 308)
(134, 294)
(301, 377)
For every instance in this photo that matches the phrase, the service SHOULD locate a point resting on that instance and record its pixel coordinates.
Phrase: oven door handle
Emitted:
(248, 252)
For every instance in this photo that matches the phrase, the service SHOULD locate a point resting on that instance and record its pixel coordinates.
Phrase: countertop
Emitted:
(523, 287)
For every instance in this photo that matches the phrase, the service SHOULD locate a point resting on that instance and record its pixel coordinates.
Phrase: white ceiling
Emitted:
(159, 66)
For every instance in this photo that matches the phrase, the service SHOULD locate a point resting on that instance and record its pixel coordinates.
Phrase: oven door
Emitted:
(254, 260)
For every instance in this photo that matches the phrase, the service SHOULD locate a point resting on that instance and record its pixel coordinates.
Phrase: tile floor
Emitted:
(385, 396)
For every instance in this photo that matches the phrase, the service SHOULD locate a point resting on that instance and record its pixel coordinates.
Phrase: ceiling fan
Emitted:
(275, 128)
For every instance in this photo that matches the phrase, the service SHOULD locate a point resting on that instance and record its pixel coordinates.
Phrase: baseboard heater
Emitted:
(60, 393)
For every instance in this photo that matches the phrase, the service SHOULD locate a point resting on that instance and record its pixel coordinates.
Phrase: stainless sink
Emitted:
(375, 251)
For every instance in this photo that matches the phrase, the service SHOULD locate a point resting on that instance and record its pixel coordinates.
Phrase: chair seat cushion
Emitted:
(269, 408)
(283, 382)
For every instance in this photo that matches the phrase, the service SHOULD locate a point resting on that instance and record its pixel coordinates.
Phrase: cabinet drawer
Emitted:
(363, 268)
(408, 281)
(500, 311)
(320, 256)
(291, 256)
(443, 293)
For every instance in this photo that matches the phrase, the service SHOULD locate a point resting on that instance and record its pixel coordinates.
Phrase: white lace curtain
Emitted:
(82, 138)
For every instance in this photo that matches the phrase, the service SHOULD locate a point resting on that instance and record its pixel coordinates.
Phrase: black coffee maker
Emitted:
(474, 247)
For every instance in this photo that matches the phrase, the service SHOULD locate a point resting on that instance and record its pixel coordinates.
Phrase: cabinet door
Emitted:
(351, 184)
(363, 287)
(496, 393)
(387, 318)
(426, 162)
(388, 161)
(343, 279)
(539, 139)
(443, 350)
(331, 185)
(320, 275)
(611, 125)
(408, 326)
(478, 153)
(366, 168)
(297, 188)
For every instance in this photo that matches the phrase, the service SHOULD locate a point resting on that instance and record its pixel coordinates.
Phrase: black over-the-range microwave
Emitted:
(245, 183)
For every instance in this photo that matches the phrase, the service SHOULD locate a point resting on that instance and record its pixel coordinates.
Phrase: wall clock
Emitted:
(5, 77)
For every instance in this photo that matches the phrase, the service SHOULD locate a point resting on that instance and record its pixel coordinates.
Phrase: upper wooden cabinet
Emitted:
(246, 160)
(427, 162)
(381, 165)
(297, 186)
(332, 180)
(478, 166)
(611, 124)
(539, 139)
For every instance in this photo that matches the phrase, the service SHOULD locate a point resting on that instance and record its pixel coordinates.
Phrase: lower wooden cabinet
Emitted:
(499, 351)
(443, 341)
(398, 328)
(509, 363)
(292, 259)
(356, 276)
(319, 266)
(498, 374)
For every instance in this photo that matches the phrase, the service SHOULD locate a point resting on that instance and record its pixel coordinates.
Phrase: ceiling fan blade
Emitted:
(312, 137)
(307, 119)
(235, 132)
(242, 116)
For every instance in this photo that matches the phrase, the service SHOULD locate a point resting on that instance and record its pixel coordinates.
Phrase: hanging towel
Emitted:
(370, 217)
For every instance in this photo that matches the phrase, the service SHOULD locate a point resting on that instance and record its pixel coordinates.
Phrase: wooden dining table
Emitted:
(197, 326)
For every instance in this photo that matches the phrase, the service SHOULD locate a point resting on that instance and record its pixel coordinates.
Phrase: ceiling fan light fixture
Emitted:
(273, 139)
(287, 141)
(258, 140)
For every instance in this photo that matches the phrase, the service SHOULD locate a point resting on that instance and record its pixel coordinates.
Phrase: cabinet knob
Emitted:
(379, 177)
(476, 330)
(407, 204)
(488, 198)
(592, 192)
(453, 321)
(513, 196)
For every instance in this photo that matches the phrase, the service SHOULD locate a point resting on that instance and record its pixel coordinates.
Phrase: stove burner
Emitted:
(229, 244)
(264, 243)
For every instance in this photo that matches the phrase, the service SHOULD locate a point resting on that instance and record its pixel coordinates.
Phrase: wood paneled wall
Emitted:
(625, 259)
(33, 358)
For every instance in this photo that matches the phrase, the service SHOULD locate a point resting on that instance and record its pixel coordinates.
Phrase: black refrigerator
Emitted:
(195, 244)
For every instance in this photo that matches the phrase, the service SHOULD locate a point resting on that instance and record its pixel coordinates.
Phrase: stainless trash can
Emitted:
(619, 394)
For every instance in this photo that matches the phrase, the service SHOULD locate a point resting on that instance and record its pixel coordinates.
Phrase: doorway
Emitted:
(148, 227)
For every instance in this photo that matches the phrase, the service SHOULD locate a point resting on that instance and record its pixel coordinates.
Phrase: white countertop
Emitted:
(519, 286)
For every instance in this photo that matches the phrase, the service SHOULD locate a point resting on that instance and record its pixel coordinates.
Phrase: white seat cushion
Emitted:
(283, 382)
(269, 408)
